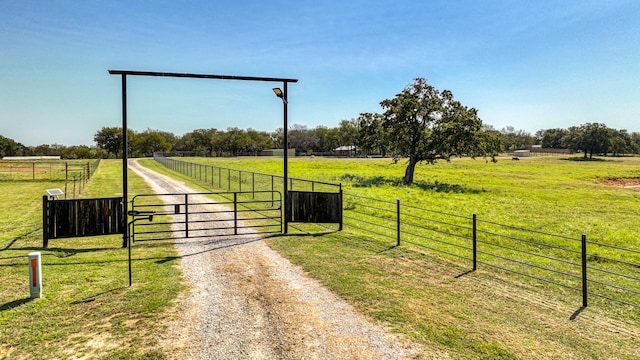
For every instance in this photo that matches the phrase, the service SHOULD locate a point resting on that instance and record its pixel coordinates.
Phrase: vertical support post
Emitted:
(285, 129)
(584, 270)
(66, 171)
(186, 215)
(35, 274)
(398, 221)
(45, 221)
(475, 244)
(240, 181)
(253, 185)
(33, 170)
(235, 213)
(341, 210)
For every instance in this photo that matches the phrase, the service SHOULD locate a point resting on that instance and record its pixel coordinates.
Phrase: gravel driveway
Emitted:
(247, 302)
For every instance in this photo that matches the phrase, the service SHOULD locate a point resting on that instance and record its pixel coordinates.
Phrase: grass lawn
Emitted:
(87, 309)
(434, 301)
(550, 194)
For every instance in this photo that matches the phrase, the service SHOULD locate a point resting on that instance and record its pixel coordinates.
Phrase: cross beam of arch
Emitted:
(125, 140)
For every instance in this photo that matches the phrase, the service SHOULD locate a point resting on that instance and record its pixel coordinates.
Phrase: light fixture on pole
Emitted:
(283, 95)
(279, 94)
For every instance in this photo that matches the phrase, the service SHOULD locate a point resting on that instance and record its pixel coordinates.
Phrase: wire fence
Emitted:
(73, 175)
(589, 269)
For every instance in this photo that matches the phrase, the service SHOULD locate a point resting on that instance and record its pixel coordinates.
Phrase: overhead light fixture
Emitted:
(279, 94)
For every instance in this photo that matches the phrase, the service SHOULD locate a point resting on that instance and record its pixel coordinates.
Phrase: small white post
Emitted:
(35, 274)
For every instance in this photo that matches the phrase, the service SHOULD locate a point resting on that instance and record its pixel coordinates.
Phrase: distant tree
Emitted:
(596, 138)
(302, 139)
(236, 140)
(348, 132)
(425, 124)
(372, 137)
(258, 141)
(151, 141)
(109, 139)
(553, 138)
(516, 139)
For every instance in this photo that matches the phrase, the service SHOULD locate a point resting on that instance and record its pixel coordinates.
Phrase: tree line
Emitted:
(420, 123)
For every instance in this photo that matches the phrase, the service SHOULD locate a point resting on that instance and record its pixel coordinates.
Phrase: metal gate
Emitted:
(201, 215)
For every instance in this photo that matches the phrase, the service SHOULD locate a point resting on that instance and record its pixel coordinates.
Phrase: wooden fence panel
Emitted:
(314, 207)
(82, 217)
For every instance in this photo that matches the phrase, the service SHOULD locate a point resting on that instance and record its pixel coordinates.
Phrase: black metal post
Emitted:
(475, 244)
(398, 220)
(235, 213)
(45, 221)
(584, 270)
(286, 157)
(125, 175)
(186, 215)
(341, 210)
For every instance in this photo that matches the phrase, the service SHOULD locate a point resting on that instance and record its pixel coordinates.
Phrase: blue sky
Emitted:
(528, 64)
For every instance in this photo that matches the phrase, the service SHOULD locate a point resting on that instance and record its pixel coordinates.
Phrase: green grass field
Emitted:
(551, 194)
(88, 310)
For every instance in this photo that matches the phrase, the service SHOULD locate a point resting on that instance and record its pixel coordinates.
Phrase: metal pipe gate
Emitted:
(201, 215)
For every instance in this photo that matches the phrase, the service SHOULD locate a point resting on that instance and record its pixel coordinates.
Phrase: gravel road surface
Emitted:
(245, 301)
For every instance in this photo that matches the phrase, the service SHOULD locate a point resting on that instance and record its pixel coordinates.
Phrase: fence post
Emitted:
(584, 270)
(45, 221)
(341, 209)
(33, 170)
(235, 213)
(475, 244)
(186, 215)
(398, 220)
(253, 185)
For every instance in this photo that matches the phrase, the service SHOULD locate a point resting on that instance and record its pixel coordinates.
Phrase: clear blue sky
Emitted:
(527, 64)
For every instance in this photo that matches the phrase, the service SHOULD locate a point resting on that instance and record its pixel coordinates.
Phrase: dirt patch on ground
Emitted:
(622, 183)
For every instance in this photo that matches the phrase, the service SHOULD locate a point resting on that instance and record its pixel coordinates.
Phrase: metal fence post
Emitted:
(398, 220)
(235, 213)
(341, 209)
(584, 270)
(186, 215)
(45, 221)
(475, 244)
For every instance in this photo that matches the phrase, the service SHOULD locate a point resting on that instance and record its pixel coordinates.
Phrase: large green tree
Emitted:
(109, 139)
(425, 124)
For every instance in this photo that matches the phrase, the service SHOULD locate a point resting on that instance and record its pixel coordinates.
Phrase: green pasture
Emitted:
(540, 201)
(551, 194)
(88, 310)
(432, 299)
(43, 170)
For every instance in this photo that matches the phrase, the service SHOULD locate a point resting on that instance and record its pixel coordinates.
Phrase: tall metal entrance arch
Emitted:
(124, 73)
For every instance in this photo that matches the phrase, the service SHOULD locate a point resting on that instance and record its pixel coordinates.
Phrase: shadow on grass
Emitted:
(374, 181)
(23, 236)
(575, 314)
(92, 298)
(14, 304)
